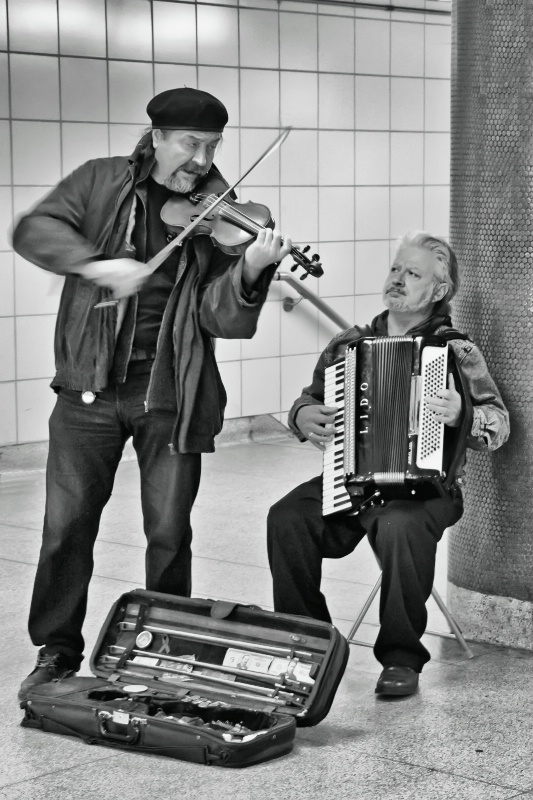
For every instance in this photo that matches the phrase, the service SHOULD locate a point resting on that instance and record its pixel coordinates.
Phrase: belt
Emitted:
(138, 354)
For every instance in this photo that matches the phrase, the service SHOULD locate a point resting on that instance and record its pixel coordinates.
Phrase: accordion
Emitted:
(387, 443)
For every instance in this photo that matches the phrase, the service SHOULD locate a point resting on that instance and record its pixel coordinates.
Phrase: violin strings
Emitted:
(232, 214)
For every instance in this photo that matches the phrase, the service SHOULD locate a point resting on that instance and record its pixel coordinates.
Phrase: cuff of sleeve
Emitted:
(292, 424)
(479, 430)
(246, 297)
(250, 296)
(79, 268)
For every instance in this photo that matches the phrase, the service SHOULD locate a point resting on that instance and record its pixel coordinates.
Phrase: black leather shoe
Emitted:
(397, 681)
(48, 668)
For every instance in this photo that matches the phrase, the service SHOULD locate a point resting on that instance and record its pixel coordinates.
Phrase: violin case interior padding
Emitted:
(206, 681)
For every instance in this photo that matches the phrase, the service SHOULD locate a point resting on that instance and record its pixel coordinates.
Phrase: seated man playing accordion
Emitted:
(403, 531)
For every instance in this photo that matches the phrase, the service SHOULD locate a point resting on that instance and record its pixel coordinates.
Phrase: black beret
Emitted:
(187, 109)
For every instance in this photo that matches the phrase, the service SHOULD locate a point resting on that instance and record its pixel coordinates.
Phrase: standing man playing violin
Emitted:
(143, 367)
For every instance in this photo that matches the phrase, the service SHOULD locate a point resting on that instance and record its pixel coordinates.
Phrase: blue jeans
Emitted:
(86, 445)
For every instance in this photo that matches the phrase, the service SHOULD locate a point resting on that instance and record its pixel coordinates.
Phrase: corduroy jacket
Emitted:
(88, 216)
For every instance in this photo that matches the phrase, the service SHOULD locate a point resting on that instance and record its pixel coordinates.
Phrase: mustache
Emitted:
(190, 169)
(183, 179)
(394, 289)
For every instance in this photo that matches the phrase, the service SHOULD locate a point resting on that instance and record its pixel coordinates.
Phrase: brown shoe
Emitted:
(397, 681)
(49, 668)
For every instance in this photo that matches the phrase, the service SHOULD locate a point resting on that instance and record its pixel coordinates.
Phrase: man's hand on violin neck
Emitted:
(124, 276)
(265, 250)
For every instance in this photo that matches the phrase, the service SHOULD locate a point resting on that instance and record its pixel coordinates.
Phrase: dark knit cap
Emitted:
(187, 109)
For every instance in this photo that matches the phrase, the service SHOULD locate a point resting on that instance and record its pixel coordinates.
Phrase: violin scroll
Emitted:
(312, 266)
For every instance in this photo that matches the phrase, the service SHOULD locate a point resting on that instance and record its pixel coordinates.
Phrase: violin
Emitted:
(223, 215)
(230, 225)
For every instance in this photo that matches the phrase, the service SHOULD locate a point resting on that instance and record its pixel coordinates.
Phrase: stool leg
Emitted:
(363, 611)
(452, 623)
(454, 627)
(456, 631)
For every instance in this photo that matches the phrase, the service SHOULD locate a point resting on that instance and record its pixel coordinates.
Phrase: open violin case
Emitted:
(206, 681)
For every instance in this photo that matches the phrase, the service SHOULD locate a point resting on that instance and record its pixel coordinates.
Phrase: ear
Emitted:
(156, 136)
(440, 291)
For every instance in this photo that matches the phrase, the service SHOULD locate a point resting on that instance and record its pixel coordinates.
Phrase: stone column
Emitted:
(490, 588)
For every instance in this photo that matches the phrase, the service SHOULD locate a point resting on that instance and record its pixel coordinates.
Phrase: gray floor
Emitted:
(466, 734)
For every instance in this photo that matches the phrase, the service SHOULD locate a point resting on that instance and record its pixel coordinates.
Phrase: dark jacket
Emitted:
(88, 216)
(490, 422)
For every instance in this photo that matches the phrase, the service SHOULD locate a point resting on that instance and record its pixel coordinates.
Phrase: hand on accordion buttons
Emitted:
(317, 424)
(447, 404)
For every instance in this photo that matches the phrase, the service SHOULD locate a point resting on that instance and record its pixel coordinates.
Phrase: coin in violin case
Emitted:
(144, 639)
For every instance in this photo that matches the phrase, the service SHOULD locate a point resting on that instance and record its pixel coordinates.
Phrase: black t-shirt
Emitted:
(154, 294)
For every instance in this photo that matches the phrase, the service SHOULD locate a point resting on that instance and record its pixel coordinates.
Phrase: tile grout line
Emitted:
(76, 766)
(452, 774)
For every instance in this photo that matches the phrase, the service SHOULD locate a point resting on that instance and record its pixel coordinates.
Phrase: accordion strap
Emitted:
(448, 334)
(461, 433)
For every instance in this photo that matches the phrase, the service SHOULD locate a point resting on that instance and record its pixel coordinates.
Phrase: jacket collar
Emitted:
(142, 159)
(378, 326)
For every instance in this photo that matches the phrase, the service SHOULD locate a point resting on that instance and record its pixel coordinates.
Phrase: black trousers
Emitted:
(404, 536)
(86, 444)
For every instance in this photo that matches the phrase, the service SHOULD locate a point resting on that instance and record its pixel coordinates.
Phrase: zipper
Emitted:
(123, 191)
(140, 199)
(119, 201)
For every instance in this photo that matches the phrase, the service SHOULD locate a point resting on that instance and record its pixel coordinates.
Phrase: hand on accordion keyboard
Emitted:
(447, 404)
(316, 424)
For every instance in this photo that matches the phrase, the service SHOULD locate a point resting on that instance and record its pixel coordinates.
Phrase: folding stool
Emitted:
(454, 628)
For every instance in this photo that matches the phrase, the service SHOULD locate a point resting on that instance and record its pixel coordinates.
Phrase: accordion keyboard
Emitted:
(334, 495)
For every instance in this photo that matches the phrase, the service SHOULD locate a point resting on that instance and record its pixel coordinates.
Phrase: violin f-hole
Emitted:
(207, 218)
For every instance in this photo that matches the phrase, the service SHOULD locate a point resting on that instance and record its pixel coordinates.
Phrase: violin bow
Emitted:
(163, 254)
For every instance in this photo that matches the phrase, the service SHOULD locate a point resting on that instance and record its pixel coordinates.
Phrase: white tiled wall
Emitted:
(366, 91)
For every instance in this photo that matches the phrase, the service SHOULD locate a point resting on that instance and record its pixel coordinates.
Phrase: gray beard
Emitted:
(180, 183)
(402, 304)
